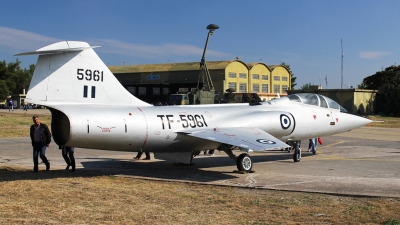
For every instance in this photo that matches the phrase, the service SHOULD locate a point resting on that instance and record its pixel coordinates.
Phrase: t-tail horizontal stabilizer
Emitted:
(70, 72)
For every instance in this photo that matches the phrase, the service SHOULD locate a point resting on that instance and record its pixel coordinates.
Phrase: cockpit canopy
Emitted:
(317, 100)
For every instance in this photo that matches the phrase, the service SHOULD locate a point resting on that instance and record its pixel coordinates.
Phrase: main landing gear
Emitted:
(243, 162)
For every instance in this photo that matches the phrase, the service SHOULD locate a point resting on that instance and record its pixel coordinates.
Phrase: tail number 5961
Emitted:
(89, 75)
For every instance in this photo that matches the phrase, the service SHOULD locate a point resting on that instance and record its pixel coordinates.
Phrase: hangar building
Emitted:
(154, 82)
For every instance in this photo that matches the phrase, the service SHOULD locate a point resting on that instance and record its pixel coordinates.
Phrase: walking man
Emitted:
(41, 138)
(68, 155)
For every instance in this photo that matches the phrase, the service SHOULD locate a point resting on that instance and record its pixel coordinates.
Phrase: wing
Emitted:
(251, 138)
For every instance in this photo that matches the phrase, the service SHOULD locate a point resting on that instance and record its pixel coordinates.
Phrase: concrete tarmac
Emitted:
(362, 162)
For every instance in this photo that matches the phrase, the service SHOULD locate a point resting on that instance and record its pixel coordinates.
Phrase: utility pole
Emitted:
(341, 81)
(326, 82)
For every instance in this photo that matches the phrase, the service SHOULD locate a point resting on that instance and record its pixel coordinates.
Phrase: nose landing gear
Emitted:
(297, 151)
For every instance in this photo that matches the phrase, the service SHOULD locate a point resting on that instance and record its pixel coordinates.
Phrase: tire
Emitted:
(244, 163)
(296, 157)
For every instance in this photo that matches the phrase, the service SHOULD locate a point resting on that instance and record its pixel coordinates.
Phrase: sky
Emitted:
(308, 35)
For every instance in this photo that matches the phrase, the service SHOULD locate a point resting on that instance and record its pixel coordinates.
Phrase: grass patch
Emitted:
(384, 121)
(392, 222)
(56, 197)
(17, 124)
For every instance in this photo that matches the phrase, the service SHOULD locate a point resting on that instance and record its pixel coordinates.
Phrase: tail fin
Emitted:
(70, 72)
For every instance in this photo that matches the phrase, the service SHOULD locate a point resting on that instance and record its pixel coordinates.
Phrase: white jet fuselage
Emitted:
(164, 128)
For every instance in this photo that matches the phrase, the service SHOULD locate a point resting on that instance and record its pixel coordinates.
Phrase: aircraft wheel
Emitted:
(244, 163)
(297, 156)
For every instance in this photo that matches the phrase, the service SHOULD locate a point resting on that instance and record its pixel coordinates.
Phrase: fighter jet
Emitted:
(91, 109)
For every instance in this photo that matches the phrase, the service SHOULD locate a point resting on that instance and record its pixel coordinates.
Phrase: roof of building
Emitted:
(212, 65)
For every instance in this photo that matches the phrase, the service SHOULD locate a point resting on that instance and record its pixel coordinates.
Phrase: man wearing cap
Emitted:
(41, 138)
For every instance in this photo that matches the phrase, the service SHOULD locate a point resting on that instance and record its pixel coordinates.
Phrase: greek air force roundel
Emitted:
(285, 121)
(265, 141)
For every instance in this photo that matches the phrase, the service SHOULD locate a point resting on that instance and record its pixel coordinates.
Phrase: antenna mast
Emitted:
(326, 81)
(341, 69)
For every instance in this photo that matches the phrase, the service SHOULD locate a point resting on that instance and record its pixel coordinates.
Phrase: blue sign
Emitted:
(153, 77)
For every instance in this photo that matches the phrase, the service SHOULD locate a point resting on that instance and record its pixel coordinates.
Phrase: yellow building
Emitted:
(154, 82)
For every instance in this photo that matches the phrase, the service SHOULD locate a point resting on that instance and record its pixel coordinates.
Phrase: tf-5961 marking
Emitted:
(192, 121)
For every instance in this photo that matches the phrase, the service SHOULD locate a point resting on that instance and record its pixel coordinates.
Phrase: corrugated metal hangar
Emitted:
(154, 82)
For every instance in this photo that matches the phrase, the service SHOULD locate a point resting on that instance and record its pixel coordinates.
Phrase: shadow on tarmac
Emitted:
(204, 168)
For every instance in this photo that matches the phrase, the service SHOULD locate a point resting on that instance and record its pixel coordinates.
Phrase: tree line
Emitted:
(14, 79)
(387, 82)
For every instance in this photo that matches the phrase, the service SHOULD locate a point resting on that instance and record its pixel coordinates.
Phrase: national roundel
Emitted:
(265, 141)
(285, 121)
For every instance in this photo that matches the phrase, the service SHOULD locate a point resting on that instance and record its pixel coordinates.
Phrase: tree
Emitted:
(13, 79)
(306, 87)
(388, 84)
(4, 91)
(361, 86)
(387, 76)
(292, 77)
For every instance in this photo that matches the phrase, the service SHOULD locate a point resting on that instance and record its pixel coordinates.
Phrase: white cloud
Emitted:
(150, 51)
(19, 40)
(373, 55)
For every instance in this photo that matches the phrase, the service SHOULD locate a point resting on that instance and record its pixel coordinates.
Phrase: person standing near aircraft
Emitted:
(139, 154)
(68, 155)
(10, 105)
(312, 146)
(41, 138)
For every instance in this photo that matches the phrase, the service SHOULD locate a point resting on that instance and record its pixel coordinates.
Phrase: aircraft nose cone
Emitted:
(358, 121)
(364, 121)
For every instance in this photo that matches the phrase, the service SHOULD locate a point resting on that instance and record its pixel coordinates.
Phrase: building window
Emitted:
(242, 87)
(242, 75)
(256, 76)
(277, 78)
(284, 88)
(132, 90)
(265, 88)
(165, 91)
(277, 89)
(256, 88)
(265, 77)
(232, 86)
(284, 78)
(156, 91)
(232, 75)
(142, 90)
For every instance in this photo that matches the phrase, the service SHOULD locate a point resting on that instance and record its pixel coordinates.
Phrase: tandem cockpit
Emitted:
(315, 99)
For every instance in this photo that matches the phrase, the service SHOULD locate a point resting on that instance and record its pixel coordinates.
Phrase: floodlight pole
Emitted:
(203, 65)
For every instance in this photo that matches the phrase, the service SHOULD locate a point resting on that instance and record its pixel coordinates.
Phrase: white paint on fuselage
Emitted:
(162, 128)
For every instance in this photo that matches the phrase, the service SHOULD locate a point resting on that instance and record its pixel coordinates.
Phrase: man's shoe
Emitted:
(146, 159)
(67, 168)
(48, 166)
